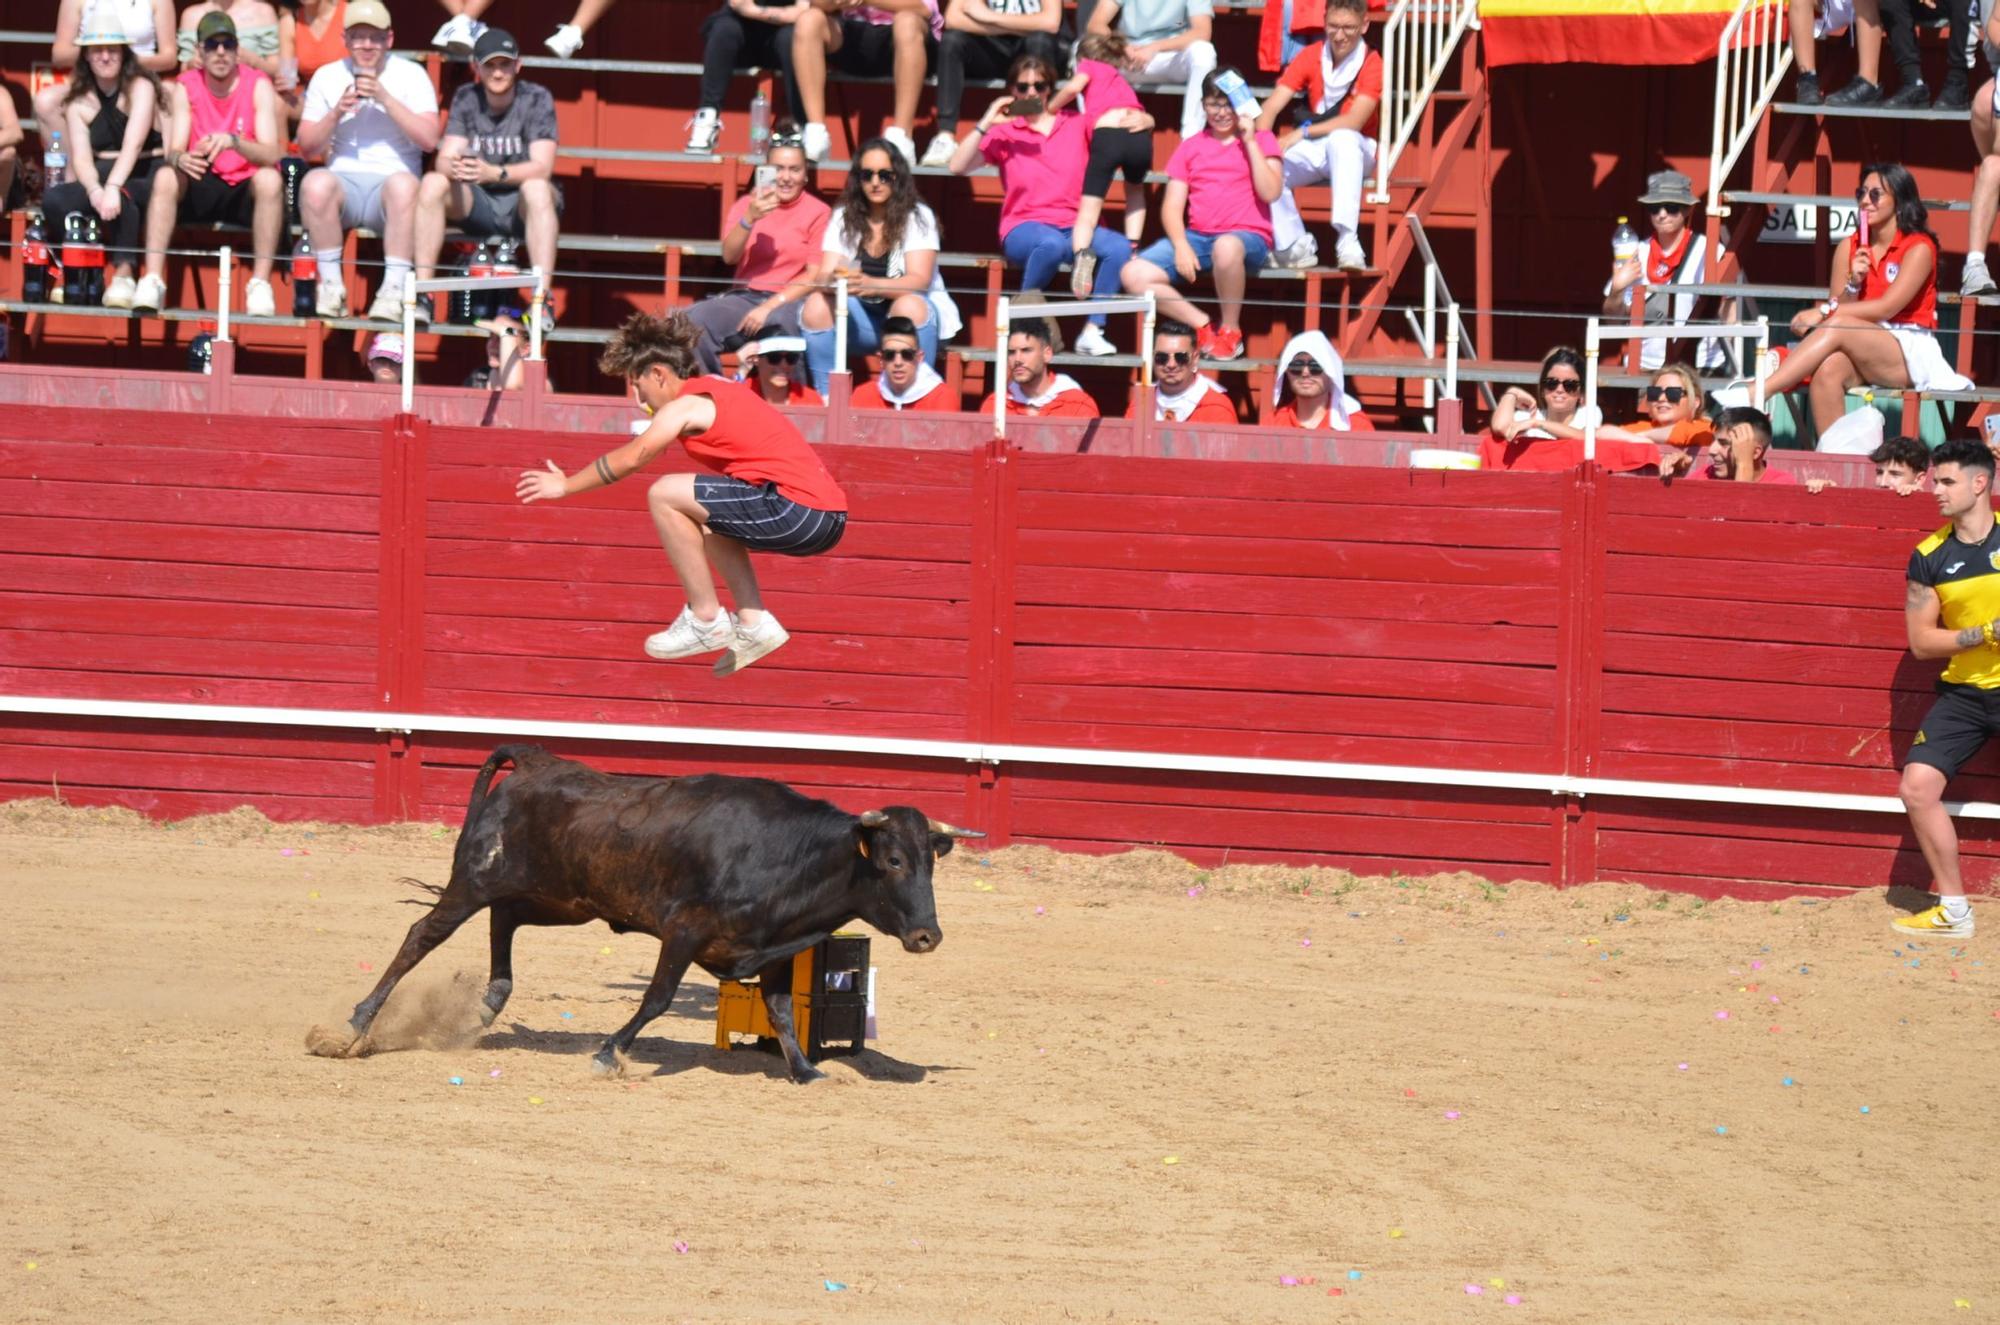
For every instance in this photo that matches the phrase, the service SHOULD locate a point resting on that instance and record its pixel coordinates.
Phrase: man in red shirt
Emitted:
(906, 381)
(1341, 80)
(1032, 388)
(1736, 454)
(1180, 393)
(766, 490)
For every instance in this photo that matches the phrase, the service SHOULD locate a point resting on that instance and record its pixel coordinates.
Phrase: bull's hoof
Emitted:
(341, 1041)
(805, 1074)
(606, 1063)
(495, 999)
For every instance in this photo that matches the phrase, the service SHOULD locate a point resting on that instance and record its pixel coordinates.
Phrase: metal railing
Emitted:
(1418, 42)
(414, 290)
(1594, 337)
(1751, 59)
(1067, 308)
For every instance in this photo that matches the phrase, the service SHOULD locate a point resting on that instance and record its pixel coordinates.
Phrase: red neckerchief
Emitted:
(1659, 265)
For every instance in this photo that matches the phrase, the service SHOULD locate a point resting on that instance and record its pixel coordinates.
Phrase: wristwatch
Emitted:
(503, 174)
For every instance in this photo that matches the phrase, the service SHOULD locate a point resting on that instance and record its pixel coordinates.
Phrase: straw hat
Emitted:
(101, 27)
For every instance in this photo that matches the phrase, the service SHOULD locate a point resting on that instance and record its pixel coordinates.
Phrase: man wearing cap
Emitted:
(220, 164)
(385, 357)
(773, 367)
(374, 117)
(495, 168)
(1675, 255)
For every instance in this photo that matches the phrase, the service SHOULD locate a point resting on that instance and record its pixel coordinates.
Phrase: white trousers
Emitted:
(1190, 65)
(1342, 158)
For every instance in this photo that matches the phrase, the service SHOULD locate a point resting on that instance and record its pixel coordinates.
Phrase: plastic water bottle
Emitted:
(35, 262)
(305, 279)
(1624, 242)
(55, 161)
(760, 122)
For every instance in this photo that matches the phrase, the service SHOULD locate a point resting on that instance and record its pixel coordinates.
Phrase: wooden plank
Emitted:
(154, 618)
(484, 505)
(1364, 866)
(339, 591)
(1836, 586)
(1445, 753)
(456, 454)
(123, 430)
(1284, 556)
(132, 539)
(1770, 547)
(1864, 508)
(207, 470)
(543, 551)
(609, 650)
(1296, 635)
(1715, 616)
(1253, 713)
(233, 739)
(1711, 887)
(1777, 773)
(934, 590)
(1801, 701)
(1979, 839)
(1400, 524)
(578, 686)
(174, 688)
(170, 804)
(1156, 786)
(98, 653)
(1193, 591)
(1285, 675)
(1776, 862)
(1879, 747)
(171, 504)
(208, 770)
(1668, 656)
(522, 626)
(1130, 476)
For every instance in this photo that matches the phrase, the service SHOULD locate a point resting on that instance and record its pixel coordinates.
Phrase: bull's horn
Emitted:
(873, 818)
(940, 826)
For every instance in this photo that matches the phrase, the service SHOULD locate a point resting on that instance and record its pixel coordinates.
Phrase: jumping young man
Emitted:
(1954, 577)
(766, 491)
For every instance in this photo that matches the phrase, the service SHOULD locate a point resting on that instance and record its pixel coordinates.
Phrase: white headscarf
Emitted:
(1340, 406)
(926, 381)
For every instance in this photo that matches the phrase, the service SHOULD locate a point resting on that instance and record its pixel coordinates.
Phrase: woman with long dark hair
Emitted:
(112, 105)
(1876, 326)
(885, 241)
(1544, 429)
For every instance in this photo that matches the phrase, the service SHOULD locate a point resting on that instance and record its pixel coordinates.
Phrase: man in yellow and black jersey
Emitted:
(1952, 609)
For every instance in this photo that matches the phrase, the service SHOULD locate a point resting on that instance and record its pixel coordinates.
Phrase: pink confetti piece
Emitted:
(494, 1073)
(1289, 1280)
(1682, 1067)
(1041, 910)
(285, 852)
(681, 1247)
(1451, 1115)
(1512, 1299)
(366, 966)
(1722, 1014)
(1305, 943)
(1756, 966)
(1774, 998)
(1475, 1290)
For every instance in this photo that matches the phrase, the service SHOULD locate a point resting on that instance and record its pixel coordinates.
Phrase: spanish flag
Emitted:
(1604, 31)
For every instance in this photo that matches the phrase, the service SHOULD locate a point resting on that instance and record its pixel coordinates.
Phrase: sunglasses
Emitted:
(1030, 85)
(876, 176)
(1569, 384)
(1869, 196)
(1673, 395)
(785, 357)
(1161, 358)
(219, 44)
(1670, 208)
(900, 356)
(1304, 368)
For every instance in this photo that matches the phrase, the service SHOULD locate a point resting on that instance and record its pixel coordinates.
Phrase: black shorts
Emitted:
(870, 48)
(1962, 720)
(211, 199)
(1113, 150)
(759, 516)
(496, 213)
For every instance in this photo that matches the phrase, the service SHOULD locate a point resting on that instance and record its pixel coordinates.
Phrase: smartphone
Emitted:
(1025, 106)
(766, 177)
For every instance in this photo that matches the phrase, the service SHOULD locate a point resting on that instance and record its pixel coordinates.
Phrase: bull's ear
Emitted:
(941, 844)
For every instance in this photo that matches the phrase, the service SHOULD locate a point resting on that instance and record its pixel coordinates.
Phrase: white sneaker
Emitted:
(939, 152)
(1977, 280)
(817, 140)
(687, 637)
(331, 299)
(458, 35)
(148, 296)
(119, 293)
(1299, 255)
(258, 300)
(1091, 341)
(703, 130)
(388, 305)
(567, 41)
(749, 643)
(896, 138)
(1347, 254)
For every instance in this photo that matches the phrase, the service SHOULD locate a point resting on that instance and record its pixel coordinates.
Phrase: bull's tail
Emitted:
(506, 754)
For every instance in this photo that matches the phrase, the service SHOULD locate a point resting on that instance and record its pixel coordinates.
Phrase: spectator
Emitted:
(148, 25)
(983, 39)
(1737, 451)
(1341, 80)
(1032, 389)
(1311, 392)
(495, 169)
(743, 34)
(774, 364)
(884, 240)
(1043, 160)
(906, 381)
(1899, 26)
(1986, 184)
(1875, 328)
(1217, 214)
(384, 357)
(773, 237)
(374, 116)
(1816, 20)
(265, 37)
(1121, 140)
(1180, 393)
(868, 38)
(1901, 464)
(1286, 29)
(506, 353)
(221, 164)
(110, 119)
(11, 138)
(568, 37)
(317, 31)
(1675, 255)
(1674, 416)
(1169, 44)
(1544, 431)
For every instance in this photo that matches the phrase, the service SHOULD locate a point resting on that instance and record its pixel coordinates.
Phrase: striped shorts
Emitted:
(762, 518)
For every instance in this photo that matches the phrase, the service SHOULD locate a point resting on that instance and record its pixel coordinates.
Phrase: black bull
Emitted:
(735, 874)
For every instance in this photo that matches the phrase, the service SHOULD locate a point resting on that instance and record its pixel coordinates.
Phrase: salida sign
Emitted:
(1799, 224)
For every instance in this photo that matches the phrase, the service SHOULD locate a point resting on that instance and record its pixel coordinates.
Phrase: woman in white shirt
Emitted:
(884, 240)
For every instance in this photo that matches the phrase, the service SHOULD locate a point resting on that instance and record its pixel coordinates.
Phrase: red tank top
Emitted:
(1920, 311)
(751, 441)
(236, 113)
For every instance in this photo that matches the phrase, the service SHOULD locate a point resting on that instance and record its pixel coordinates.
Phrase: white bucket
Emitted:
(1434, 457)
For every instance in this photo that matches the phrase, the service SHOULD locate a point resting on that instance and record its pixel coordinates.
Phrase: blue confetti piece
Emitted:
(834, 1287)
(568, 1016)
(458, 1081)
(1354, 1274)
(1916, 961)
(1788, 1081)
(1864, 1108)
(1722, 1131)
(1805, 970)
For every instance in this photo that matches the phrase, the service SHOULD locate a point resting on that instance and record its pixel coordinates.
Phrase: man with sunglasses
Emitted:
(776, 368)
(1180, 393)
(374, 117)
(220, 164)
(906, 382)
(982, 39)
(495, 170)
(1675, 255)
(1032, 388)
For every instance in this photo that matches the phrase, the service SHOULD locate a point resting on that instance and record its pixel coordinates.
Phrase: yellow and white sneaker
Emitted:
(1934, 923)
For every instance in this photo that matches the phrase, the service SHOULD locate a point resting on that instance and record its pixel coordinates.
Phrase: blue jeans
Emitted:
(1256, 252)
(864, 335)
(1038, 249)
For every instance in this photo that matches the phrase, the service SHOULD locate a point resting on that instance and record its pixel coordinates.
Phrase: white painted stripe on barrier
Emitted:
(1555, 784)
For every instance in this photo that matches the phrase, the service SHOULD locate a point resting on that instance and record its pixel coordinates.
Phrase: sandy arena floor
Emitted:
(1123, 1089)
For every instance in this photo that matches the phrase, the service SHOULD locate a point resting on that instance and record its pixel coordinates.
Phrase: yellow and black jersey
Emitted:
(1967, 579)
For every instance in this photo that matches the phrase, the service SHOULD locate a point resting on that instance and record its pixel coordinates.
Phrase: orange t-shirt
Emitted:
(751, 441)
(1287, 416)
(1688, 434)
(937, 400)
(313, 52)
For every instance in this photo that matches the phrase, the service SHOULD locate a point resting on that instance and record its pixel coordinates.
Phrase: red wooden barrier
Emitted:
(1531, 624)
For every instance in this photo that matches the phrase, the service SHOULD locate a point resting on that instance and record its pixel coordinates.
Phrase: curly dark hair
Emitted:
(646, 339)
(852, 205)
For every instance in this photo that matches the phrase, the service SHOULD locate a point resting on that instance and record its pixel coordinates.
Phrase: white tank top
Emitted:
(135, 18)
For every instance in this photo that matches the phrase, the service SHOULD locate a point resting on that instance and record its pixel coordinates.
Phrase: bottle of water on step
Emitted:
(1624, 243)
(55, 161)
(760, 122)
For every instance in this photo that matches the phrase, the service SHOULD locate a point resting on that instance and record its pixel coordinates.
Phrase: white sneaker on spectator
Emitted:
(1347, 254)
(258, 299)
(1976, 281)
(388, 305)
(686, 637)
(749, 643)
(703, 130)
(816, 141)
(118, 294)
(331, 301)
(1091, 340)
(567, 41)
(899, 140)
(1300, 254)
(149, 295)
(457, 36)
(939, 152)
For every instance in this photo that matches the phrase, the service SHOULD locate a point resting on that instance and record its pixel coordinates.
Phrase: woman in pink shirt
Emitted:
(1217, 215)
(1042, 156)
